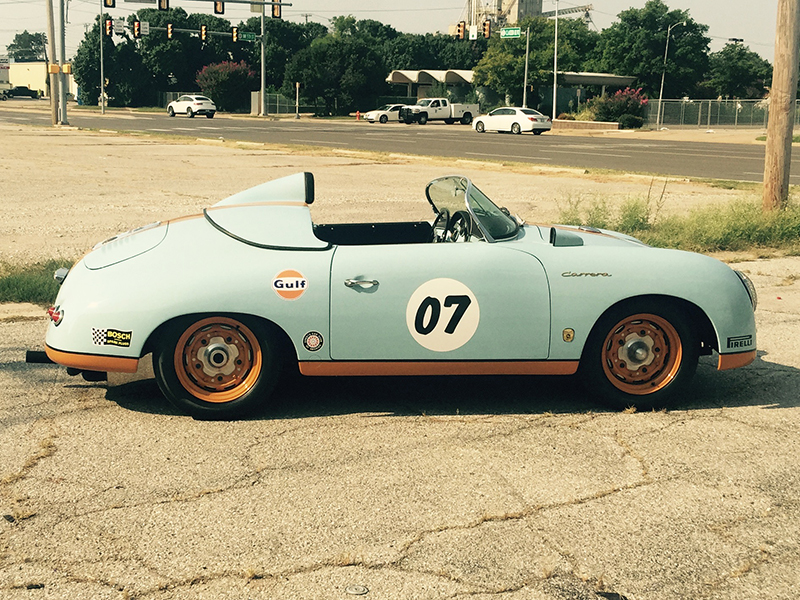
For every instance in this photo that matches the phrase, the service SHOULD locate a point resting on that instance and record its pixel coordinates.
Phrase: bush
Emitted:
(624, 102)
(631, 122)
(228, 84)
(565, 117)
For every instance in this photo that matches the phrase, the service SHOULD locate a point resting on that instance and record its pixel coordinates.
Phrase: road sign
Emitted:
(473, 32)
(247, 36)
(145, 27)
(119, 25)
(510, 32)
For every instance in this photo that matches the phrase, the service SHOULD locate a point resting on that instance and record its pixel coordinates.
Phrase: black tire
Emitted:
(652, 335)
(537, 132)
(408, 120)
(210, 115)
(423, 118)
(190, 113)
(170, 112)
(516, 129)
(216, 366)
(480, 127)
(466, 119)
(383, 119)
(449, 121)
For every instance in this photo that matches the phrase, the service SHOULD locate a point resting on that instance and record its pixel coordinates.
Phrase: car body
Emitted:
(514, 120)
(19, 91)
(225, 298)
(191, 105)
(384, 114)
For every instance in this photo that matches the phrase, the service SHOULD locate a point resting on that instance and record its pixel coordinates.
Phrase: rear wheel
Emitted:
(216, 366)
(466, 119)
(537, 132)
(641, 354)
(210, 115)
(515, 128)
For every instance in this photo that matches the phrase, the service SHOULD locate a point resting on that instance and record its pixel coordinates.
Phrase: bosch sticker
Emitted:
(111, 337)
(313, 341)
(442, 315)
(289, 284)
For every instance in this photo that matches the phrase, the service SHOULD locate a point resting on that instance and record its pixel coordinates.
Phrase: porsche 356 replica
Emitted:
(473, 291)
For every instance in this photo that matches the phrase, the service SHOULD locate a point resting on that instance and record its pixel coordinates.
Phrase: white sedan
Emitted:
(191, 106)
(384, 114)
(515, 120)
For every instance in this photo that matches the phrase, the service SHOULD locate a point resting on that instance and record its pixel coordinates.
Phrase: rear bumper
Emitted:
(93, 362)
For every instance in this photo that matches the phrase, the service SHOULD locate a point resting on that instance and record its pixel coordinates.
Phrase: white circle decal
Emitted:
(442, 314)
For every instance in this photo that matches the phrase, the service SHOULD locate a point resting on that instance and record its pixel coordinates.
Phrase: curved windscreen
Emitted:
(456, 193)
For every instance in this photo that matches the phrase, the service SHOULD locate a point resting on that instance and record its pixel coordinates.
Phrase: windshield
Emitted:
(423, 103)
(456, 193)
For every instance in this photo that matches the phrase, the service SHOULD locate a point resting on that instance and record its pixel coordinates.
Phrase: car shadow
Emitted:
(763, 383)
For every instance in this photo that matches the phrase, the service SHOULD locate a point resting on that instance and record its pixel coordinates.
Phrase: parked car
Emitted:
(384, 114)
(191, 106)
(513, 119)
(438, 109)
(21, 90)
(473, 291)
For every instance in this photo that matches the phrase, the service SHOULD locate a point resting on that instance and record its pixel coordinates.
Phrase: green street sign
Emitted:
(510, 32)
(247, 36)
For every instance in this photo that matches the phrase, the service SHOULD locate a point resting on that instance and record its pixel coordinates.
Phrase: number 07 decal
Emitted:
(442, 314)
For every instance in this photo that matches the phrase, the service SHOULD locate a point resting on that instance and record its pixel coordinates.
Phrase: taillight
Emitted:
(56, 314)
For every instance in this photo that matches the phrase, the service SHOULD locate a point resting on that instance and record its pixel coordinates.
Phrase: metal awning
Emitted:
(429, 76)
(607, 79)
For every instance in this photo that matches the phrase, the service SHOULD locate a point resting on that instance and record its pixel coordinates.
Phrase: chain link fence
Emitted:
(712, 113)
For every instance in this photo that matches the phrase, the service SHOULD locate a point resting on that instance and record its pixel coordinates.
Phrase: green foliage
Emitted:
(738, 72)
(228, 84)
(32, 283)
(635, 45)
(631, 122)
(623, 102)
(740, 225)
(28, 47)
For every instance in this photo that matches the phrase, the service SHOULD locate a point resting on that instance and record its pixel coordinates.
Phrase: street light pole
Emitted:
(663, 71)
(555, 67)
(525, 82)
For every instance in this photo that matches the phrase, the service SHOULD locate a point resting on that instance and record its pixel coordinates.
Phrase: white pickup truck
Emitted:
(438, 109)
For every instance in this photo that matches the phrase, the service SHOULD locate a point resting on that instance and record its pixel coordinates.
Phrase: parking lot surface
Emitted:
(523, 488)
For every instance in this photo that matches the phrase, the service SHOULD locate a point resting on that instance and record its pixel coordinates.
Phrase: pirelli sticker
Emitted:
(111, 337)
(740, 341)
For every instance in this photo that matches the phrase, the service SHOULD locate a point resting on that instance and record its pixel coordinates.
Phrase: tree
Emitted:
(28, 47)
(86, 64)
(738, 72)
(635, 46)
(228, 83)
(502, 67)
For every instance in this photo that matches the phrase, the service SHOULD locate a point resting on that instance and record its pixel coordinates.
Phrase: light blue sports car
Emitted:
(226, 299)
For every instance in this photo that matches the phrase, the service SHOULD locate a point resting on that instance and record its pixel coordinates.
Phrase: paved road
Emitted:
(681, 159)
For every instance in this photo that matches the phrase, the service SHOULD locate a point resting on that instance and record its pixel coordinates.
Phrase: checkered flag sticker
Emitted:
(99, 336)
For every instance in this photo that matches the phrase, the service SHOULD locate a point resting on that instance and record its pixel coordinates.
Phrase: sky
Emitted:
(725, 18)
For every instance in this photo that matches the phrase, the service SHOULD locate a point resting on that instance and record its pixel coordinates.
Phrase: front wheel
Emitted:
(640, 354)
(480, 127)
(217, 366)
(170, 111)
(423, 118)
(383, 119)
(189, 113)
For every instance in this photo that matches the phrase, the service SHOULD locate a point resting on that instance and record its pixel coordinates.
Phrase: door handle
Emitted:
(360, 282)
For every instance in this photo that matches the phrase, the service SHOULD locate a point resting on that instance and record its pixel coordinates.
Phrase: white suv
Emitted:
(191, 106)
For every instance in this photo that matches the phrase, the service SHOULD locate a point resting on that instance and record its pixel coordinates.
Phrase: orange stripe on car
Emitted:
(358, 368)
(93, 362)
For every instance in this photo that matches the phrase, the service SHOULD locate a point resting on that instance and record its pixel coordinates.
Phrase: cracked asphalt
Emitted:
(520, 488)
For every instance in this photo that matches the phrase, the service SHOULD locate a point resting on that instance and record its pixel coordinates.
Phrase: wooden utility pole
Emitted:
(777, 160)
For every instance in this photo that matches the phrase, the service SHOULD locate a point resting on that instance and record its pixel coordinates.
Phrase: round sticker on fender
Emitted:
(442, 314)
(289, 284)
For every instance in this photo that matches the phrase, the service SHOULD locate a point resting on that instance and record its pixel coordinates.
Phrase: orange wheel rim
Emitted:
(218, 359)
(642, 354)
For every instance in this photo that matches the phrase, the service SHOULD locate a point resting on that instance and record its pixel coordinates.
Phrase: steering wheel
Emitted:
(440, 229)
(461, 226)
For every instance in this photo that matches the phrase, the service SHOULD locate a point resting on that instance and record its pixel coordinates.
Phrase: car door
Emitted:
(182, 104)
(446, 301)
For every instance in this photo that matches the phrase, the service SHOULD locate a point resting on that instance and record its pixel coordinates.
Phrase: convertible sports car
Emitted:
(475, 291)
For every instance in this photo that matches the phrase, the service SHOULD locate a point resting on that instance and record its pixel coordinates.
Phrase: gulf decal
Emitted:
(289, 284)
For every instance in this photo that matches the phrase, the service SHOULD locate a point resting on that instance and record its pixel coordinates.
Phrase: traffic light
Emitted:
(276, 11)
(460, 28)
(203, 32)
(109, 27)
(163, 4)
(487, 29)
(235, 34)
(219, 8)
(169, 31)
(137, 29)
(109, 3)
